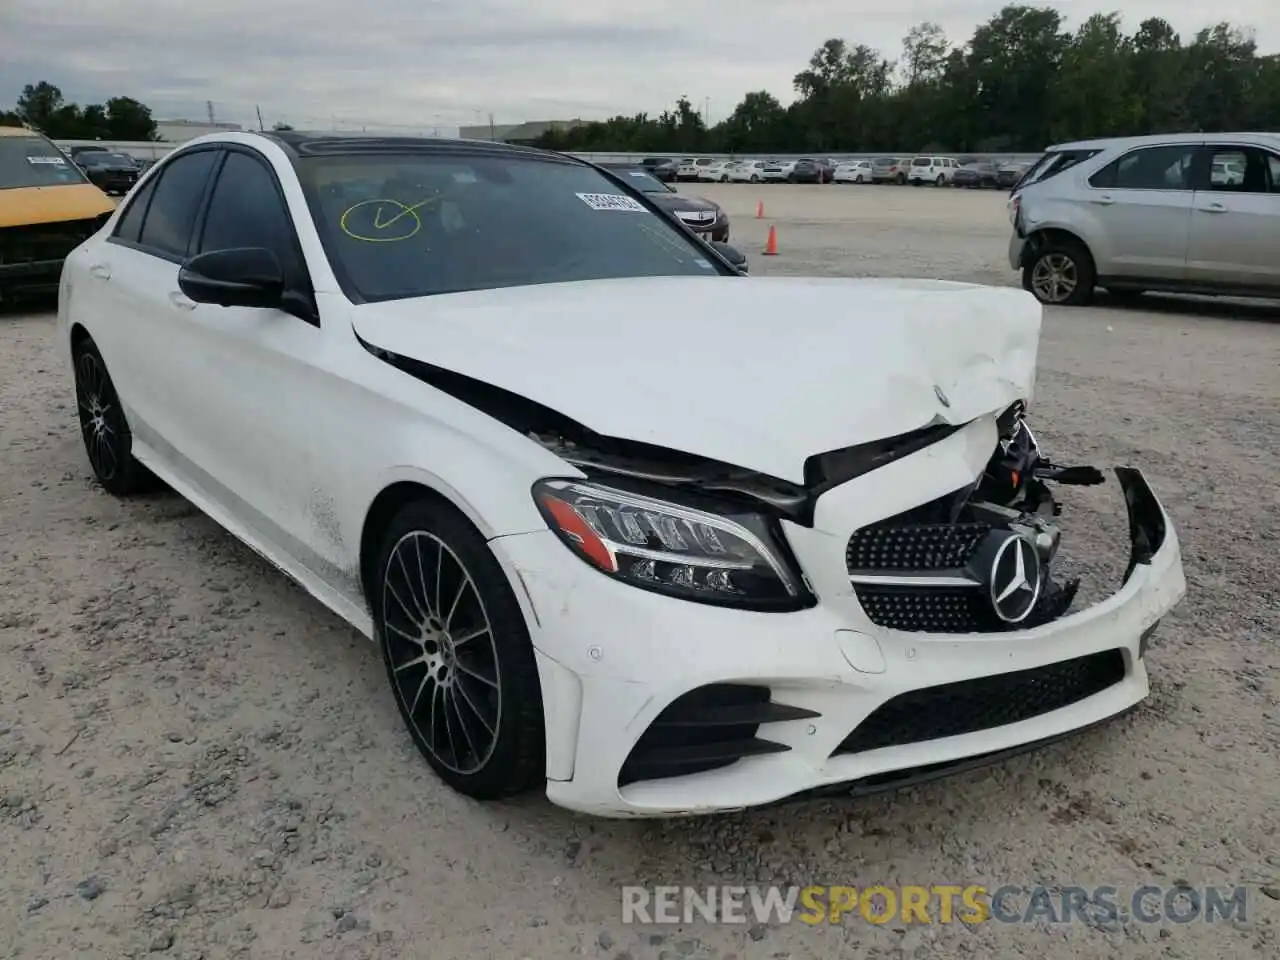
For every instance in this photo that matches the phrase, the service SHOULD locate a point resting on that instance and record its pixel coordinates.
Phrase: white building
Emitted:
(180, 131)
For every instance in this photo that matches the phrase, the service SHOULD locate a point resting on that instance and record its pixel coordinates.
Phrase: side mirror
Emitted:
(240, 277)
(732, 254)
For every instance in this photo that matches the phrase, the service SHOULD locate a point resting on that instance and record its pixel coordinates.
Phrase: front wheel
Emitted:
(754, 178)
(458, 654)
(1060, 273)
(858, 179)
(107, 438)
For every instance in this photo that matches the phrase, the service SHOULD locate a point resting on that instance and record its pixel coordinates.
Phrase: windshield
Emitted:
(34, 162)
(417, 224)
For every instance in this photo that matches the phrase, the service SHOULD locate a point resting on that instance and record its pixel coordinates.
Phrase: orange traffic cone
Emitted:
(771, 247)
(760, 210)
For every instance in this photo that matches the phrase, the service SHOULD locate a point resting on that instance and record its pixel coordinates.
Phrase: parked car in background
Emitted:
(47, 208)
(890, 170)
(662, 168)
(1007, 174)
(1159, 212)
(938, 171)
(700, 215)
(690, 169)
(807, 170)
(718, 172)
(777, 171)
(748, 171)
(113, 173)
(853, 171)
(977, 174)
(626, 528)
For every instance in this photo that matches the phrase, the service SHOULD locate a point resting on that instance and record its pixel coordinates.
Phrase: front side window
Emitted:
(34, 162)
(1151, 168)
(171, 214)
(418, 224)
(246, 210)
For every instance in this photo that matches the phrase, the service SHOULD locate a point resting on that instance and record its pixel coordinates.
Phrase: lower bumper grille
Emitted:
(705, 729)
(968, 706)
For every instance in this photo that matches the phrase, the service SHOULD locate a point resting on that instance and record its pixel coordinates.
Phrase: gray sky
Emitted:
(441, 63)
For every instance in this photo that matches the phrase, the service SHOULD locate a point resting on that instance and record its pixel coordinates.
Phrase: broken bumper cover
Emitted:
(816, 700)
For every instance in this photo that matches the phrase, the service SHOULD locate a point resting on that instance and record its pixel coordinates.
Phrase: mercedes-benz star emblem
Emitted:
(1014, 581)
(942, 397)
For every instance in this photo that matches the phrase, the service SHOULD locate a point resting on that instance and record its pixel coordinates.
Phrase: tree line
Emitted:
(42, 107)
(1021, 82)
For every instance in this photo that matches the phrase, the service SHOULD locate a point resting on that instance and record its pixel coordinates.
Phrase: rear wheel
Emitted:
(458, 654)
(755, 178)
(900, 179)
(941, 181)
(858, 179)
(1060, 272)
(107, 438)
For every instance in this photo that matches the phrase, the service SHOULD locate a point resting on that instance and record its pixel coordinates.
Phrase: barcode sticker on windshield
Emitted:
(610, 201)
(57, 161)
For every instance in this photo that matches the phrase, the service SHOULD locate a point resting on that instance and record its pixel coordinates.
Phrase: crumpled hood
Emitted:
(759, 372)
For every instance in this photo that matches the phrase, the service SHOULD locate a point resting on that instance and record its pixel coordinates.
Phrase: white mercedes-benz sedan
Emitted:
(627, 525)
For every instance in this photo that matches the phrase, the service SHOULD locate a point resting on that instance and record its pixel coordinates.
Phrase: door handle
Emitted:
(181, 300)
(1214, 207)
(1105, 200)
(101, 271)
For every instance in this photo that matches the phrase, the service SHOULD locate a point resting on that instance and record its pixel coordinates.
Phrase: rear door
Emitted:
(1139, 206)
(1235, 218)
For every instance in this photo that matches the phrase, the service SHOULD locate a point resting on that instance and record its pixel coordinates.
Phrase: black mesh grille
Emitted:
(926, 609)
(916, 548)
(954, 709)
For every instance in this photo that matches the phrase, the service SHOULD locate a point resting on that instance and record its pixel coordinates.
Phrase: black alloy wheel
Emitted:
(458, 654)
(108, 440)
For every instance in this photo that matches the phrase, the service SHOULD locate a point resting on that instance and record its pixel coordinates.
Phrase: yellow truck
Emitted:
(47, 207)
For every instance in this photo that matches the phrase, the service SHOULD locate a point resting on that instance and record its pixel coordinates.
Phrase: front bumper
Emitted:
(613, 657)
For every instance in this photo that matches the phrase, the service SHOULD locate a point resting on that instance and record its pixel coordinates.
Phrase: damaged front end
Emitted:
(979, 560)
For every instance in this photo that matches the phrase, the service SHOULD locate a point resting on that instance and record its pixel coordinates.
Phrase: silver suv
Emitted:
(1186, 213)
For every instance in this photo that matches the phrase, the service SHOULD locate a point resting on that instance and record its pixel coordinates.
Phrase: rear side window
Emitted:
(175, 203)
(129, 227)
(1150, 168)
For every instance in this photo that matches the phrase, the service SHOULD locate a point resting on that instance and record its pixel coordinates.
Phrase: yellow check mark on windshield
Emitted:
(380, 224)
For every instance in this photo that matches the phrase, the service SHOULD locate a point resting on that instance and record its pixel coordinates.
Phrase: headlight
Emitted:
(731, 557)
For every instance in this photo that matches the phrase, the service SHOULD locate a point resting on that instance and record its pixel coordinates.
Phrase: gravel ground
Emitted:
(197, 760)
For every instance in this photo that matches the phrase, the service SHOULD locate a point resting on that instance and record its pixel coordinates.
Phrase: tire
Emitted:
(108, 441)
(482, 729)
(941, 181)
(858, 179)
(901, 179)
(1066, 258)
(754, 178)
(724, 178)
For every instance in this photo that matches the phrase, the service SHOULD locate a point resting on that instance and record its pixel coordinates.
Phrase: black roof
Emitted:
(303, 143)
